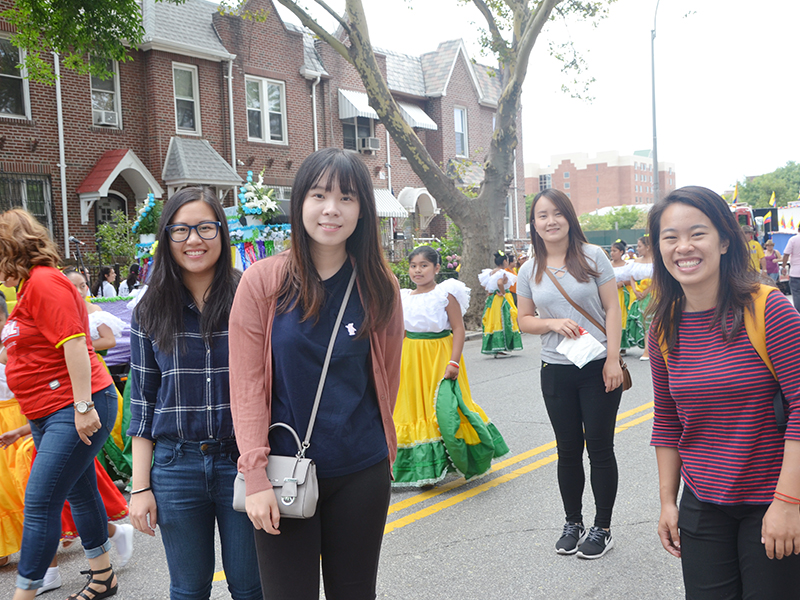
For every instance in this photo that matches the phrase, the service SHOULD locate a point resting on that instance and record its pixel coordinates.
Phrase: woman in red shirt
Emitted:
(68, 398)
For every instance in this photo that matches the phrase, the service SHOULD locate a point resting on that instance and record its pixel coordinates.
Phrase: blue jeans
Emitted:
(64, 470)
(193, 487)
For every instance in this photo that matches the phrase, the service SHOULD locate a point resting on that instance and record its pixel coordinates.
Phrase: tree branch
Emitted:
(442, 187)
(529, 36)
(345, 25)
(498, 42)
(312, 24)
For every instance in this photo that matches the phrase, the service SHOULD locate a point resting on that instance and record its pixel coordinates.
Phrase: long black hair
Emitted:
(160, 312)
(97, 288)
(620, 245)
(737, 280)
(576, 262)
(377, 284)
(133, 276)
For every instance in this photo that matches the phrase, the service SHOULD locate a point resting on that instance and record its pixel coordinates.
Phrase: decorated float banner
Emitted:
(251, 243)
(119, 307)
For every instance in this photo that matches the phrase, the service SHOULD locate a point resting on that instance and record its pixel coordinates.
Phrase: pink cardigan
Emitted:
(250, 342)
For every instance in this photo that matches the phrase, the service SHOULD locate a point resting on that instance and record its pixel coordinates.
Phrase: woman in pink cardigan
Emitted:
(280, 325)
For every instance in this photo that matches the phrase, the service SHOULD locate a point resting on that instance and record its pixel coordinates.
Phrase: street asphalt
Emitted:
(492, 538)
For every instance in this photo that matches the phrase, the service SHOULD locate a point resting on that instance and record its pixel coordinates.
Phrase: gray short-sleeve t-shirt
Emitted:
(551, 304)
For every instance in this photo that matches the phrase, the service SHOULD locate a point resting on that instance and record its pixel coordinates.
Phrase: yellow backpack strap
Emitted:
(755, 325)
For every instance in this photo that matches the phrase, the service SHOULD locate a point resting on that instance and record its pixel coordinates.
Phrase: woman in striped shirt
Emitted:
(737, 531)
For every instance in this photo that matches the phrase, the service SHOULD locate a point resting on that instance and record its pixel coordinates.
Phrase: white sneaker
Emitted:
(123, 542)
(52, 580)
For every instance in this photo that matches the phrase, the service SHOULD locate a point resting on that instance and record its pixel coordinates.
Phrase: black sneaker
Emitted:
(597, 543)
(571, 538)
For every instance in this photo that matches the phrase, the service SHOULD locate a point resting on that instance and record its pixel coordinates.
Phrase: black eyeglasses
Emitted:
(207, 230)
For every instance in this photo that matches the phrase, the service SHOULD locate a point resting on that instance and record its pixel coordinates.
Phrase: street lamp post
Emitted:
(656, 185)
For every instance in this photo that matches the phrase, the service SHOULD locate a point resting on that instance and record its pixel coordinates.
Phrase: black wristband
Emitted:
(146, 489)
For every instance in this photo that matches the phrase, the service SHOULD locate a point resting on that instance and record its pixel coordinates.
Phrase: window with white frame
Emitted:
(14, 97)
(355, 129)
(545, 182)
(187, 105)
(566, 185)
(266, 110)
(106, 111)
(566, 174)
(462, 143)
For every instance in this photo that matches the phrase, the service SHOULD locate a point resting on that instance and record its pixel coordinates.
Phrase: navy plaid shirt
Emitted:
(183, 394)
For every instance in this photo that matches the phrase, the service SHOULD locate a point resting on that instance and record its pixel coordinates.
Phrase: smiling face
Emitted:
(691, 249)
(329, 216)
(550, 224)
(195, 256)
(112, 276)
(422, 271)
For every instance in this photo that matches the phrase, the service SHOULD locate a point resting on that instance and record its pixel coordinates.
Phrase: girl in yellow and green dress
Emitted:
(500, 329)
(621, 270)
(640, 275)
(439, 427)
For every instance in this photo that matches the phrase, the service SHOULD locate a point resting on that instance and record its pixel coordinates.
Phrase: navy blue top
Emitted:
(183, 395)
(348, 434)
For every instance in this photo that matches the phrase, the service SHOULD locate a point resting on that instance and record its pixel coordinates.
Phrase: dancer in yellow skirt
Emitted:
(500, 329)
(624, 291)
(467, 441)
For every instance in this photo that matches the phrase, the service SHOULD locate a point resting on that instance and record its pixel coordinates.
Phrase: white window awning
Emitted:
(416, 117)
(356, 104)
(388, 206)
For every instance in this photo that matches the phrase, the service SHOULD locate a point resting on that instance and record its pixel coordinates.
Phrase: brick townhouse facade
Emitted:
(208, 97)
(607, 179)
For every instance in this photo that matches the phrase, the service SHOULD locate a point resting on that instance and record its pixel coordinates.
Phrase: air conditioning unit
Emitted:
(369, 144)
(105, 118)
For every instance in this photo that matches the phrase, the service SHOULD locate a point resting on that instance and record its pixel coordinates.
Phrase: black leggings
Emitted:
(722, 555)
(581, 410)
(346, 530)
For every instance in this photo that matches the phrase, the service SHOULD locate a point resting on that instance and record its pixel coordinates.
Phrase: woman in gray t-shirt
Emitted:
(582, 403)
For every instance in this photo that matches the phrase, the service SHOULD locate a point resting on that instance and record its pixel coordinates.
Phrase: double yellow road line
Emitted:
(491, 483)
(478, 489)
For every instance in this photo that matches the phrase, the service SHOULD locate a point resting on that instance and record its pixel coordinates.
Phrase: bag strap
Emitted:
(572, 302)
(306, 441)
(756, 329)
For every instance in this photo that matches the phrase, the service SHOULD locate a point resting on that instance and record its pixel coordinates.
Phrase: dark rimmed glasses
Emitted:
(207, 230)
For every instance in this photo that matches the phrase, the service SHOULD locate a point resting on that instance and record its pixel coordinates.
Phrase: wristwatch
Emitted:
(84, 407)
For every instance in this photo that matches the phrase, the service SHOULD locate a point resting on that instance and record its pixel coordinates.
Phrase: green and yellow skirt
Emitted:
(439, 427)
(500, 327)
(637, 324)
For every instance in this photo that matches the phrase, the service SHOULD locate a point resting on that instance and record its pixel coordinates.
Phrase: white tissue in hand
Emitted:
(582, 350)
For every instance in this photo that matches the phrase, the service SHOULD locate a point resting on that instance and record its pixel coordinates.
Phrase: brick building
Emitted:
(208, 97)
(607, 179)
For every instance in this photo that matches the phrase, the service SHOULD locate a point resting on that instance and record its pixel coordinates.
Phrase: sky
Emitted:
(727, 92)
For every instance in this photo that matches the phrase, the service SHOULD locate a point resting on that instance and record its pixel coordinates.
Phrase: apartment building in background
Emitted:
(607, 179)
(209, 97)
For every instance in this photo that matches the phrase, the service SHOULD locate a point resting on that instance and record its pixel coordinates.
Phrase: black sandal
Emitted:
(109, 591)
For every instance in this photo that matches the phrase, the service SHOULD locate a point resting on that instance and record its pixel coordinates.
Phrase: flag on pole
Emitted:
(735, 194)
(783, 223)
(772, 199)
(768, 217)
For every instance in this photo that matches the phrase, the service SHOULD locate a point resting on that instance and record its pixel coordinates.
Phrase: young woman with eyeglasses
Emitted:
(180, 408)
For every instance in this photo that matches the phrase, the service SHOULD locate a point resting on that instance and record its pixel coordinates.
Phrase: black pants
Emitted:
(581, 411)
(347, 531)
(723, 557)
